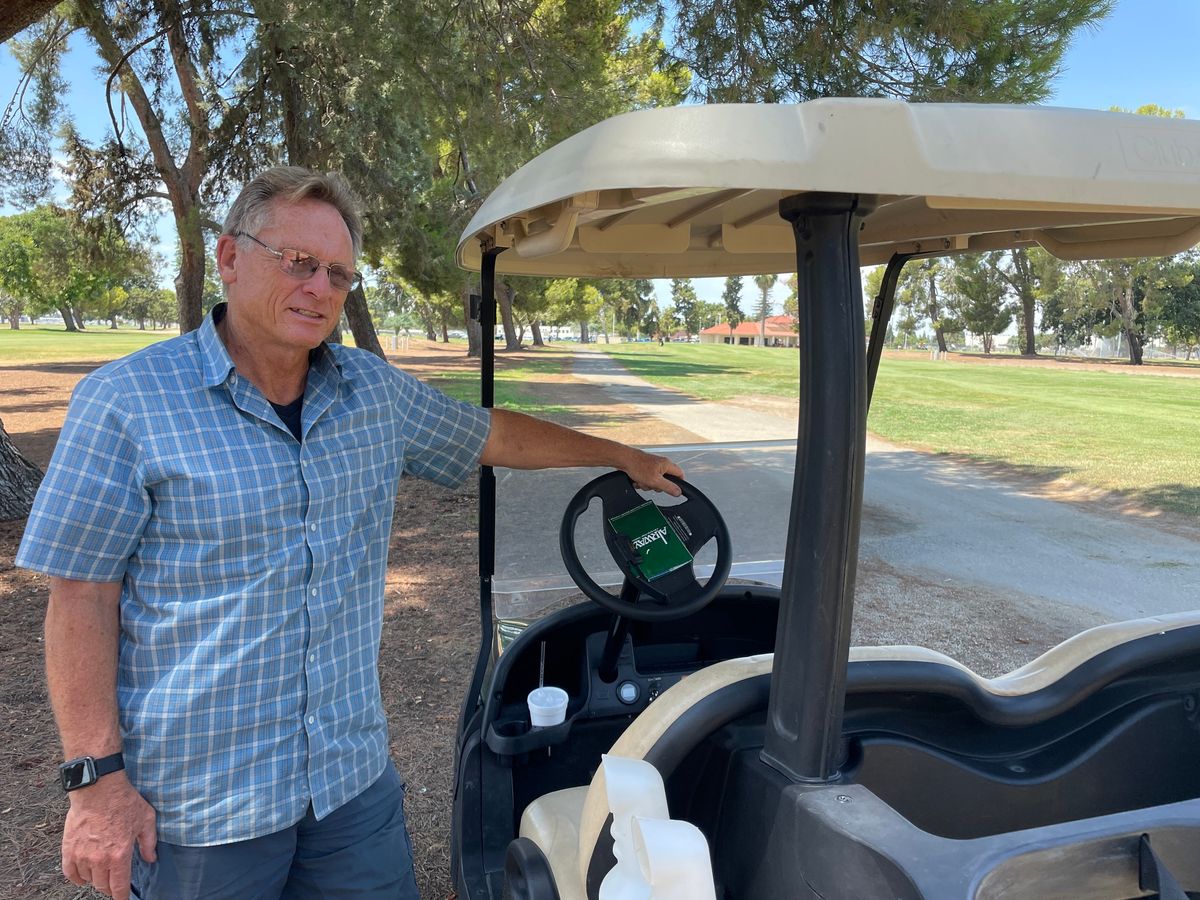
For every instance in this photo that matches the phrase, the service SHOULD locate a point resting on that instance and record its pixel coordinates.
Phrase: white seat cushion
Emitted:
(552, 822)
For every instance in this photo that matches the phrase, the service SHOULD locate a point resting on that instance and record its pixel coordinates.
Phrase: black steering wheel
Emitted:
(671, 595)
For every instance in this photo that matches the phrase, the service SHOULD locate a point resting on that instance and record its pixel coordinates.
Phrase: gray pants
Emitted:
(360, 850)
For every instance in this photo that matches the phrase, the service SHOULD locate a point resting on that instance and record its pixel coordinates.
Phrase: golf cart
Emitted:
(811, 768)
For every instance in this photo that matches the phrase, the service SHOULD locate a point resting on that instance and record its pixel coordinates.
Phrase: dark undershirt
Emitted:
(289, 413)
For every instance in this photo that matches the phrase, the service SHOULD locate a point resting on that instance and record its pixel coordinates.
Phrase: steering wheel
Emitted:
(671, 595)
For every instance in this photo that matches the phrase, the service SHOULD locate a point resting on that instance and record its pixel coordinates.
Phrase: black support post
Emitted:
(487, 486)
(881, 314)
(808, 682)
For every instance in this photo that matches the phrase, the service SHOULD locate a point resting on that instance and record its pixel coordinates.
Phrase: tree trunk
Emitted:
(474, 329)
(19, 480)
(583, 332)
(67, 317)
(1029, 337)
(1135, 346)
(189, 281)
(935, 312)
(536, 328)
(511, 340)
(361, 325)
(14, 321)
(1129, 324)
(77, 315)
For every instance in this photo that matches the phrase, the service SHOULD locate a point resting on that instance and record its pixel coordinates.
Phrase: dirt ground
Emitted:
(429, 637)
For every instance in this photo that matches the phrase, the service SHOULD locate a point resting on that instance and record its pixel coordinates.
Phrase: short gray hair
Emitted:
(251, 211)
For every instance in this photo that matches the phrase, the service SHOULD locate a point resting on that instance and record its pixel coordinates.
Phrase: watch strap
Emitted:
(106, 765)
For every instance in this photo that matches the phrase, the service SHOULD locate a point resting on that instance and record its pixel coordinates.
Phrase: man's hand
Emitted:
(519, 441)
(103, 823)
(647, 471)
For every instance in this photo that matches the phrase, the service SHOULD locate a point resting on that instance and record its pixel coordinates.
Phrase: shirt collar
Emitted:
(218, 364)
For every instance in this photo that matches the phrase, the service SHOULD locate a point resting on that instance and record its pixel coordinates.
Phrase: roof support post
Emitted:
(881, 314)
(487, 488)
(808, 681)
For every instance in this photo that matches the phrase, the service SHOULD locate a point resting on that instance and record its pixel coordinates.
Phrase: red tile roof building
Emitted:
(780, 332)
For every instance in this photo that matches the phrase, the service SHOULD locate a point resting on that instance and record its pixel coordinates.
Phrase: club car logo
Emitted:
(1148, 149)
(658, 534)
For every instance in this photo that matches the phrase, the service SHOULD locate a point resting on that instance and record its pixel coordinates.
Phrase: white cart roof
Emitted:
(694, 190)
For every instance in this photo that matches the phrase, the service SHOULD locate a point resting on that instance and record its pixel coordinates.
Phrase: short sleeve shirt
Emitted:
(252, 569)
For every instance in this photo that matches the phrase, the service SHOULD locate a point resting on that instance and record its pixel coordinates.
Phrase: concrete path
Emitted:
(942, 521)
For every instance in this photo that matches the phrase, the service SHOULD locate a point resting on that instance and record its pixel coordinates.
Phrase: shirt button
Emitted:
(314, 592)
(312, 527)
(312, 657)
(311, 719)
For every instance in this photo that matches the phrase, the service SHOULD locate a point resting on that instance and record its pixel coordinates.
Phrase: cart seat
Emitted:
(567, 824)
(552, 822)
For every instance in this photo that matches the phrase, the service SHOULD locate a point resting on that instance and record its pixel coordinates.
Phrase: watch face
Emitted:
(77, 773)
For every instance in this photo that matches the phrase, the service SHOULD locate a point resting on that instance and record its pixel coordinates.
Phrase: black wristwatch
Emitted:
(79, 773)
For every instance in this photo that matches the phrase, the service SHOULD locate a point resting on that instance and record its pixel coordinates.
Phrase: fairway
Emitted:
(1125, 432)
(40, 344)
(710, 371)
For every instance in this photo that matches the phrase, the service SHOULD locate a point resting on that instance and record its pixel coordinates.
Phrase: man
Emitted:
(215, 524)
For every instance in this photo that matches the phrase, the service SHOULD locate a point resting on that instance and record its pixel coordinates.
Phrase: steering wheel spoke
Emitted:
(670, 595)
(695, 523)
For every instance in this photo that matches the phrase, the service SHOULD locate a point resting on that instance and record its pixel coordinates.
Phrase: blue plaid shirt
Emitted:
(252, 569)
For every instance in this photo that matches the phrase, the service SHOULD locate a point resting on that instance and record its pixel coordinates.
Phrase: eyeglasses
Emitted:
(303, 265)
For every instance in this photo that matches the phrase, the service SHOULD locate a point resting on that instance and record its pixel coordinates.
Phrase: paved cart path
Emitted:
(939, 521)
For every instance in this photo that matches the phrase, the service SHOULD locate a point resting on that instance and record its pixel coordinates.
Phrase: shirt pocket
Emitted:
(226, 504)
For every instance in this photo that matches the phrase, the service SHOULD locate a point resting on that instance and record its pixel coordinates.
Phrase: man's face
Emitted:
(271, 309)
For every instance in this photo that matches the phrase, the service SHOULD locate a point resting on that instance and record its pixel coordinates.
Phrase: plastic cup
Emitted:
(547, 706)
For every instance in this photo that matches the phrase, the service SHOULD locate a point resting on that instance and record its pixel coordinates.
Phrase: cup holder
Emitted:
(513, 737)
(512, 729)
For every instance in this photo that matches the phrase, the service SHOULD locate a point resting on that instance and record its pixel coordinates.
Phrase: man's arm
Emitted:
(518, 441)
(82, 629)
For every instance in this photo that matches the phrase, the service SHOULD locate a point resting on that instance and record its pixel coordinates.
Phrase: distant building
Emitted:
(780, 332)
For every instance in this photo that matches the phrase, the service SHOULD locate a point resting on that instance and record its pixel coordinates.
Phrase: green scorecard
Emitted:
(654, 539)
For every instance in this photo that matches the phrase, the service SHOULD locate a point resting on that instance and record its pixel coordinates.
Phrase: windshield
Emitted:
(991, 564)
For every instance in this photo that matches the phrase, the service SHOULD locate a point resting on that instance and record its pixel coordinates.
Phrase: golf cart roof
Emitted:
(695, 190)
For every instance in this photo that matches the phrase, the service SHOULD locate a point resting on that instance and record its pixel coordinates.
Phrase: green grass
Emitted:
(1135, 434)
(515, 379)
(39, 344)
(711, 371)
(1130, 433)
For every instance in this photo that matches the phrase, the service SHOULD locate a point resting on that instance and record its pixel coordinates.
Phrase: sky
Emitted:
(1144, 52)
